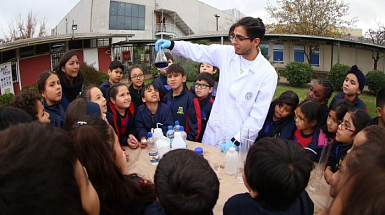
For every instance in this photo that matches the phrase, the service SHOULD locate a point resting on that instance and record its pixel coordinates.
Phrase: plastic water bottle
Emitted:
(178, 142)
(183, 133)
(231, 161)
(152, 149)
(176, 127)
(170, 134)
(158, 133)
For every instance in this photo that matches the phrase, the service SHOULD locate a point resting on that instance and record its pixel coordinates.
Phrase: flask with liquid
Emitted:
(161, 60)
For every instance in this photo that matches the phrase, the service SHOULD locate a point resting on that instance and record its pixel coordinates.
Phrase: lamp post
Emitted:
(217, 16)
(74, 27)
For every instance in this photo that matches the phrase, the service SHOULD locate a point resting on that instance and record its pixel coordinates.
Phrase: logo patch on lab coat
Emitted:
(180, 110)
(248, 96)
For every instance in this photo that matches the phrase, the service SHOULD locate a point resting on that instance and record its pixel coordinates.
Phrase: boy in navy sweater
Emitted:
(115, 73)
(199, 112)
(151, 112)
(179, 99)
(276, 173)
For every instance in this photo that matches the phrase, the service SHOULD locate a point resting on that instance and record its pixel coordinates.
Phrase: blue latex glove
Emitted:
(163, 44)
(225, 147)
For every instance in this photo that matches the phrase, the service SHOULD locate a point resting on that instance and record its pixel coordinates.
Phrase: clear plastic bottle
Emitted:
(231, 161)
(178, 142)
(183, 133)
(170, 134)
(176, 126)
(152, 149)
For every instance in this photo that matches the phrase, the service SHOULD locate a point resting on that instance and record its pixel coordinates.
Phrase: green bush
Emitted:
(92, 76)
(375, 80)
(32, 88)
(191, 70)
(6, 98)
(337, 75)
(298, 73)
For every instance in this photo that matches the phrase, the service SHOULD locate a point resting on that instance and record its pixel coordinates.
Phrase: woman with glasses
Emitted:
(136, 77)
(353, 122)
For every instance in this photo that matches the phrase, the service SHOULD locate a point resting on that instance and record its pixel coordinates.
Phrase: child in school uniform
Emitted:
(322, 90)
(353, 86)
(136, 77)
(122, 117)
(151, 113)
(280, 118)
(179, 99)
(353, 122)
(308, 119)
(205, 67)
(29, 102)
(380, 109)
(115, 73)
(336, 114)
(200, 111)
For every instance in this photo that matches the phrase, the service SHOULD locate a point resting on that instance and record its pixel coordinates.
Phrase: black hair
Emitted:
(147, 87)
(341, 107)
(169, 56)
(115, 64)
(64, 59)
(38, 171)
(204, 76)
(186, 184)
(214, 68)
(113, 91)
(254, 27)
(380, 98)
(289, 98)
(328, 87)
(312, 109)
(26, 101)
(175, 68)
(42, 79)
(86, 94)
(279, 170)
(12, 116)
(360, 119)
(131, 69)
(77, 110)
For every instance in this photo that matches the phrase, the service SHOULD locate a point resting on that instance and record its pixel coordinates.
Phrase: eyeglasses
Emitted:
(239, 38)
(343, 126)
(137, 76)
(202, 86)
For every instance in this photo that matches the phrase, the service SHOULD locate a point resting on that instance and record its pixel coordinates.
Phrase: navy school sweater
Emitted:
(199, 114)
(357, 102)
(56, 114)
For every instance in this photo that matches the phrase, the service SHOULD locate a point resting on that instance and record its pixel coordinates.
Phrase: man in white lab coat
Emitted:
(247, 82)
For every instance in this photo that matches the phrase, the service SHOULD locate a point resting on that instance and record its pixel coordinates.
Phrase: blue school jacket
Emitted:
(283, 128)
(357, 102)
(161, 83)
(198, 114)
(337, 154)
(56, 114)
(179, 105)
(144, 120)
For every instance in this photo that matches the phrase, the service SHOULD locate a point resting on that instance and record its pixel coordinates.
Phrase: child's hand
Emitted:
(143, 142)
(328, 175)
(132, 142)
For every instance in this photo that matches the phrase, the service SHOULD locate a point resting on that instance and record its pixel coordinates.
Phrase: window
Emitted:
(58, 47)
(55, 57)
(126, 16)
(315, 58)
(27, 51)
(75, 44)
(264, 48)
(103, 42)
(278, 52)
(299, 53)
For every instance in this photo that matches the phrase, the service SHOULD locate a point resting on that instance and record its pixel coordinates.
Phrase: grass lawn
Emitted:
(368, 98)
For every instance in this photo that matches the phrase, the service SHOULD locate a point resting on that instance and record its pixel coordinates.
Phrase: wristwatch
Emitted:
(236, 142)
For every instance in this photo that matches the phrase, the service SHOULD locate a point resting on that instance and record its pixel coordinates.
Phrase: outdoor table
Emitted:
(139, 162)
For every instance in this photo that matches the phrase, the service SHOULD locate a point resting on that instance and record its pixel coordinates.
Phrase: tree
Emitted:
(18, 28)
(310, 17)
(377, 37)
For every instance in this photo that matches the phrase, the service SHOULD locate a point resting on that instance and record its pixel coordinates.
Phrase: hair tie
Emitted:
(81, 123)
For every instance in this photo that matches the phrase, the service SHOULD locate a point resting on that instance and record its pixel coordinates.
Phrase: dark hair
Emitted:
(185, 183)
(86, 94)
(115, 64)
(175, 68)
(328, 87)
(26, 101)
(113, 91)
(374, 135)
(360, 119)
(42, 79)
(12, 116)
(204, 76)
(169, 56)
(278, 170)
(77, 110)
(64, 59)
(131, 69)
(117, 192)
(341, 107)
(312, 109)
(147, 87)
(380, 98)
(214, 67)
(254, 27)
(38, 171)
(289, 98)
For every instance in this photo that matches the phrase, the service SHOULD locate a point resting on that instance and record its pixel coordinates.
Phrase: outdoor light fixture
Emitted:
(217, 16)
(74, 27)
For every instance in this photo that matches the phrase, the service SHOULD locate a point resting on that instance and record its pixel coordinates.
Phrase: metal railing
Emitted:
(169, 28)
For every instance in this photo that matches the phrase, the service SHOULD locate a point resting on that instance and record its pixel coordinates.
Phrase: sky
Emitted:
(368, 12)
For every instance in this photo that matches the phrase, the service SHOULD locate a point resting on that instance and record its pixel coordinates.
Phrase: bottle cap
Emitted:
(181, 128)
(176, 122)
(169, 127)
(232, 149)
(199, 150)
(149, 134)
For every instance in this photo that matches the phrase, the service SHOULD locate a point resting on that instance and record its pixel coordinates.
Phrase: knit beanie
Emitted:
(93, 109)
(360, 76)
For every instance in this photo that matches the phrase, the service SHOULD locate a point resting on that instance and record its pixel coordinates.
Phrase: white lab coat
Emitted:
(242, 101)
